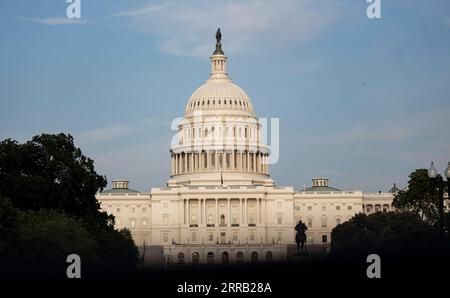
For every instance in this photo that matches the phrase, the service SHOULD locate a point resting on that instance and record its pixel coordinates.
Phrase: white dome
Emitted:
(219, 95)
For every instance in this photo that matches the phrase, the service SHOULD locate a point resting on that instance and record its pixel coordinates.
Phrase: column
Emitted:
(229, 212)
(247, 166)
(232, 165)
(175, 163)
(257, 211)
(205, 215)
(185, 211)
(188, 213)
(201, 161)
(185, 163)
(224, 160)
(200, 202)
(245, 211)
(208, 160)
(216, 160)
(241, 213)
(254, 162)
(191, 168)
(217, 212)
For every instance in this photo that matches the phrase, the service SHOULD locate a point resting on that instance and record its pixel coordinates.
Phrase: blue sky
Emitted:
(363, 102)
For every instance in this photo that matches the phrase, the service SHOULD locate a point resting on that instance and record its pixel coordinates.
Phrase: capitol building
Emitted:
(220, 204)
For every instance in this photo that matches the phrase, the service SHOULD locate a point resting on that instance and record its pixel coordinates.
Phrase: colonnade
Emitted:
(211, 161)
(223, 216)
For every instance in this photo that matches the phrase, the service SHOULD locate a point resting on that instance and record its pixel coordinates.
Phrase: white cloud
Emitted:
(104, 134)
(143, 11)
(187, 28)
(53, 21)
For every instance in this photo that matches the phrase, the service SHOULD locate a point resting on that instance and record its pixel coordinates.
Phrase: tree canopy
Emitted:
(388, 233)
(418, 197)
(48, 210)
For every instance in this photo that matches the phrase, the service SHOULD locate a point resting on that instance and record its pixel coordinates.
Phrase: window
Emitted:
(144, 209)
(180, 258)
(338, 221)
(144, 222)
(309, 208)
(225, 257)
(235, 221)
(310, 222)
(324, 221)
(165, 219)
(235, 236)
(210, 219)
(254, 257)
(297, 208)
(338, 207)
(210, 258)
(132, 210)
(324, 208)
(280, 218)
(165, 237)
(251, 218)
(118, 210)
(324, 238)
(240, 257)
(349, 207)
(222, 219)
(211, 237)
(193, 219)
(132, 223)
(269, 256)
(195, 258)
(279, 236)
(194, 236)
(252, 236)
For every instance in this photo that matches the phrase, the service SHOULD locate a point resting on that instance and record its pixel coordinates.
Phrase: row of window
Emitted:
(225, 102)
(237, 132)
(132, 209)
(132, 222)
(377, 208)
(225, 257)
(323, 221)
(324, 208)
(224, 239)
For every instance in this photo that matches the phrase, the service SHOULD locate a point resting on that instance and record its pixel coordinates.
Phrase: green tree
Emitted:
(50, 172)
(388, 233)
(52, 210)
(419, 198)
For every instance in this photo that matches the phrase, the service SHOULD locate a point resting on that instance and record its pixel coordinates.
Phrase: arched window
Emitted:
(269, 256)
(195, 258)
(240, 257)
(254, 257)
(225, 257)
(180, 258)
(210, 258)
(222, 219)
